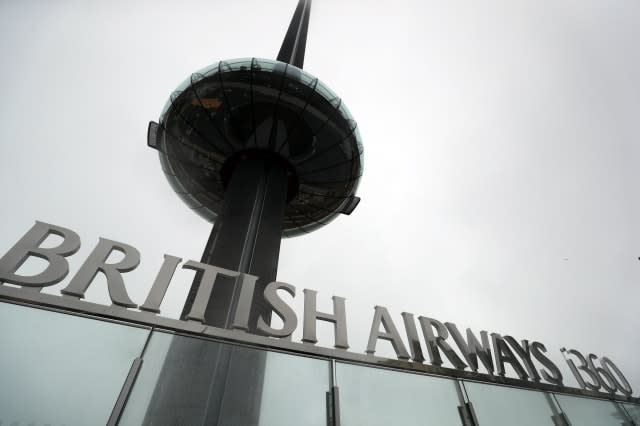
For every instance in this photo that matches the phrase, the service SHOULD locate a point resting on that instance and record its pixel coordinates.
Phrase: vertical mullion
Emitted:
(125, 391)
(333, 397)
(465, 409)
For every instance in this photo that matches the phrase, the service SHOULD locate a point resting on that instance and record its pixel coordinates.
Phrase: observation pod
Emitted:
(258, 109)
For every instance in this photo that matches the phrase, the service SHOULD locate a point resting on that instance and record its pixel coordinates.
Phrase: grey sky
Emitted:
(500, 189)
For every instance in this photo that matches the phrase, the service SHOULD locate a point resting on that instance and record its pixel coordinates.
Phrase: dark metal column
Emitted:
(214, 384)
(206, 383)
(295, 40)
(245, 238)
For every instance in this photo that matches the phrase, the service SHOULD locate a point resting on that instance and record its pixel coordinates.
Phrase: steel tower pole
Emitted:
(246, 236)
(223, 385)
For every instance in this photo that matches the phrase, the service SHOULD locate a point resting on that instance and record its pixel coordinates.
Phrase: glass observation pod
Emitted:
(68, 368)
(252, 106)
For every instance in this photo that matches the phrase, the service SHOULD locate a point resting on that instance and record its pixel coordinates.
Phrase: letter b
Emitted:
(29, 245)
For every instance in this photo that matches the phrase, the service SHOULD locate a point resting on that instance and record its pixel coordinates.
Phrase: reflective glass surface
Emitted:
(591, 412)
(187, 381)
(60, 369)
(500, 405)
(378, 397)
(634, 411)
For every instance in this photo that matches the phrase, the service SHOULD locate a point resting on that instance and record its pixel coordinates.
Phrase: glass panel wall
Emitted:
(185, 380)
(378, 397)
(634, 411)
(591, 412)
(60, 369)
(500, 405)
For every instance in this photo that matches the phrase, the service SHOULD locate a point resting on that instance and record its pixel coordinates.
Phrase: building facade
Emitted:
(72, 362)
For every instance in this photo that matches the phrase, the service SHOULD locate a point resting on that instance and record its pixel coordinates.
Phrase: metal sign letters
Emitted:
(491, 351)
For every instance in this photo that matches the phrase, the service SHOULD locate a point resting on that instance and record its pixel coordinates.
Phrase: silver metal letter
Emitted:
(390, 333)
(622, 384)
(247, 286)
(284, 311)
(412, 335)
(524, 352)
(503, 354)
(28, 245)
(584, 366)
(434, 342)
(112, 271)
(210, 273)
(538, 349)
(605, 378)
(338, 318)
(161, 283)
(472, 349)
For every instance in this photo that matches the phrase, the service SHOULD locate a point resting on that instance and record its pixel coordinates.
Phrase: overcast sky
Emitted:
(500, 189)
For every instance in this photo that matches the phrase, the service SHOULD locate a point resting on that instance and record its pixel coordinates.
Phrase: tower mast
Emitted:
(247, 233)
(263, 150)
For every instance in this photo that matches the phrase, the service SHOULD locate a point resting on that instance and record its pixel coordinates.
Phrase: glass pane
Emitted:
(295, 391)
(634, 411)
(374, 396)
(188, 381)
(208, 70)
(61, 369)
(500, 405)
(591, 412)
(326, 91)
